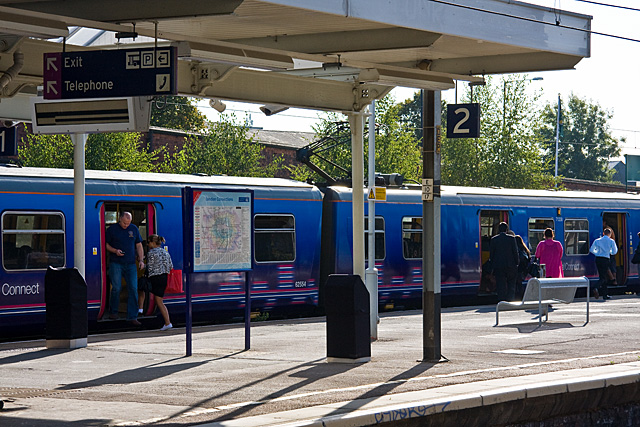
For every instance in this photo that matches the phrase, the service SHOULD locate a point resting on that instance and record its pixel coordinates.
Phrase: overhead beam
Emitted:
(346, 41)
(515, 63)
(127, 10)
(263, 87)
(12, 23)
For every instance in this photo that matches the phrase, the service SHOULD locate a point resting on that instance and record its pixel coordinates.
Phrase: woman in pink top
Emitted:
(549, 252)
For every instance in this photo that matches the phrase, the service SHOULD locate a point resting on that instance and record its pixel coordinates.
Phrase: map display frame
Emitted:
(222, 230)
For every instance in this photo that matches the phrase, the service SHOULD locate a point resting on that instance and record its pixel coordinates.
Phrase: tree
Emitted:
(119, 151)
(508, 152)
(225, 148)
(397, 149)
(177, 112)
(51, 151)
(106, 151)
(586, 144)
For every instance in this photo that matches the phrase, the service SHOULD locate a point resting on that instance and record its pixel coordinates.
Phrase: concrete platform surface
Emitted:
(143, 377)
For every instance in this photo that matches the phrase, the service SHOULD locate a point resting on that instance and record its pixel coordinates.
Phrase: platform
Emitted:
(144, 378)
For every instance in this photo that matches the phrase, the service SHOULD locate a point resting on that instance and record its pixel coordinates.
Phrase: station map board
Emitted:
(222, 230)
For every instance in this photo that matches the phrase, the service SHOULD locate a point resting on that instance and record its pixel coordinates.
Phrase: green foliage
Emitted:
(507, 153)
(177, 112)
(225, 148)
(397, 150)
(119, 151)
(107, 151)
(50, 151)
(587, 143)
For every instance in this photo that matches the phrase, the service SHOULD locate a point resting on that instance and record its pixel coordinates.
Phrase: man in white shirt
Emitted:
(603, 248)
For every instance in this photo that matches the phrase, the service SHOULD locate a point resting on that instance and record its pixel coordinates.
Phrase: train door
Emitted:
(617, 221)
(489, 221)
(143, 217)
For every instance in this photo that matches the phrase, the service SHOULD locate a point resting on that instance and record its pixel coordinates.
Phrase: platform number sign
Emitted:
(8, 141)
(463, 120)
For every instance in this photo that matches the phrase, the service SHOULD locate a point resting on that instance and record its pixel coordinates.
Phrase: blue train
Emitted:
(301, 234)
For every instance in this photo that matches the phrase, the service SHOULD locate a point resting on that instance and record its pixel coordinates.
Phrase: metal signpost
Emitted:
(217, 237)
(110, 73)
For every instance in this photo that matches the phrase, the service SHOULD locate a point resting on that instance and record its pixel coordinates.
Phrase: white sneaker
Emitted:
(166, 327)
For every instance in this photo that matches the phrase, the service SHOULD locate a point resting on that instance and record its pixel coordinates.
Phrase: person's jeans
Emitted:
(129, 272)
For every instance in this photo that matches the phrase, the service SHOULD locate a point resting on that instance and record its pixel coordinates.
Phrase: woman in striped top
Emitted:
(158, 267)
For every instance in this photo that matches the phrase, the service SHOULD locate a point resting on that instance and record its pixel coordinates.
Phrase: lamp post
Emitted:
(504, 98)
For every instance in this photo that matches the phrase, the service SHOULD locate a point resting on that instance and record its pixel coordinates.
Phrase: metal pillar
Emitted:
(79, 142)
(558, 112)
(371, 274)
(431, 298)
(356, 122)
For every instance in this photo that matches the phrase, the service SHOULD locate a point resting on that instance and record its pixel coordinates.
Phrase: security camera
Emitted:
(218, 105)
(270, 110)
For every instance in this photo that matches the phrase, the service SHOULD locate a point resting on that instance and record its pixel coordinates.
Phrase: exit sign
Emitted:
(110, 73)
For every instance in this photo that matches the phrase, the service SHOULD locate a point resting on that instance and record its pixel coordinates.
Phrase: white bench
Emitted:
(540, 293)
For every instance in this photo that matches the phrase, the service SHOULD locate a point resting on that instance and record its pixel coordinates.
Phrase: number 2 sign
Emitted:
(463, 120)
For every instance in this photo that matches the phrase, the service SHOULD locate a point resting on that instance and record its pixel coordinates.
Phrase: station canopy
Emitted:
(335, 55)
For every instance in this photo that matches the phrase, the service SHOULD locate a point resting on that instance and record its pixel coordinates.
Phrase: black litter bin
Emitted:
(348, 327)
(65, 295)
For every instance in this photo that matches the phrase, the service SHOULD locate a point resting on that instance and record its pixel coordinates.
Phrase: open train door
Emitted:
(489, 221)
(617, 221)
(143, 216)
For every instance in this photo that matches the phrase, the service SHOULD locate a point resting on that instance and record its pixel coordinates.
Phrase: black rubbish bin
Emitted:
(65, 295)
(348, 327)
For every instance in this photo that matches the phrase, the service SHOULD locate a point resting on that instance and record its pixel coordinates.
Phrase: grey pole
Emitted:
(79, 142)
(371, 273)
(431, 299)
(356, 121)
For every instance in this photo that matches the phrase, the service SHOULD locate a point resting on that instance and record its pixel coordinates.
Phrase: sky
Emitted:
(608, 78)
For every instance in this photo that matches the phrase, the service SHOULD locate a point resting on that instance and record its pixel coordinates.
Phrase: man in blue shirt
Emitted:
(603, 248)
(123, 244)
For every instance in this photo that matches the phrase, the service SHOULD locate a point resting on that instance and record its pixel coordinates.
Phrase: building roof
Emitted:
(281, 138)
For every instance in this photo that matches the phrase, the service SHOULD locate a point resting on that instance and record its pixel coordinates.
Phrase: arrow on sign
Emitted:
(51, 87)
(51, 63)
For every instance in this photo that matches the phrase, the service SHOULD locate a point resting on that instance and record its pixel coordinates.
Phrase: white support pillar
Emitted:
(371, 274)
(79, 250)
(356, 122)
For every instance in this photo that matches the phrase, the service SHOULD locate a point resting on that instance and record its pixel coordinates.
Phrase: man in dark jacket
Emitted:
(504, 258)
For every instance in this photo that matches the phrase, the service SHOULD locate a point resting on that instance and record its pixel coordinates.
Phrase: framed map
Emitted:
(222, 230)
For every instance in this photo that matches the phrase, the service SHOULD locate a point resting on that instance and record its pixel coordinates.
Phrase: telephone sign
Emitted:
(463, 120)
(110, 73)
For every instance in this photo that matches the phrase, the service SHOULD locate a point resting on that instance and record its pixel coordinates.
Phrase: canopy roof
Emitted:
(321, 54)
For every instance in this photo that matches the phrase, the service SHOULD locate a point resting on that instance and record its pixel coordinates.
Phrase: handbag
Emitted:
(636, 256)
(174, 282)
(534, 267)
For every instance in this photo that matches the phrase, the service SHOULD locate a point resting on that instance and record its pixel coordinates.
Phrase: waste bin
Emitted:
(348, 326)
(65, 296)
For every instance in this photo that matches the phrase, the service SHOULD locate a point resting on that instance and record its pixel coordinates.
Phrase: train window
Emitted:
(379, 238)
(32, 240)
(576, 237)
(412, 237)
(536, 231)
(275, 237)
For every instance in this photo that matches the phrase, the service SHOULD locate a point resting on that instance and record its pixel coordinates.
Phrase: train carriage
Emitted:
(37, 231)
(469, 218)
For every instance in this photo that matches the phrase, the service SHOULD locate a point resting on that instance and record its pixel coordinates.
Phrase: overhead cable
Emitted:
(610, 5)
(537, 21)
